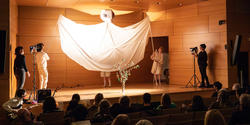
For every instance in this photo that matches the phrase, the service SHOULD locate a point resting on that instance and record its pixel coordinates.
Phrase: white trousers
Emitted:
(43, 77)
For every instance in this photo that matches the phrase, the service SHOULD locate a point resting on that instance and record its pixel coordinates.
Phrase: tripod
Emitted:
(34, 77)
(193, 77)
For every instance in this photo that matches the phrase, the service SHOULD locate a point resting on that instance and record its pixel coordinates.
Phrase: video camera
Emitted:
(34, 48)
(194, 50)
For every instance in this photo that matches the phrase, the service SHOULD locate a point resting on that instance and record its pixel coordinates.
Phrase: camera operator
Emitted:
(202, 62)
(41, 61)
(20, 67)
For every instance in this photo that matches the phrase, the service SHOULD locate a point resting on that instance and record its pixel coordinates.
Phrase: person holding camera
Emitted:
(41, 61)
(20, 68)
(202, 62)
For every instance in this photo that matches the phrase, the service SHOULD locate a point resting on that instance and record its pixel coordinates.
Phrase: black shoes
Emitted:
(203, 86)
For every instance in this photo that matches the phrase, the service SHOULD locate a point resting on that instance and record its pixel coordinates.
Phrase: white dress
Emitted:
(157, 64)
(105, 74)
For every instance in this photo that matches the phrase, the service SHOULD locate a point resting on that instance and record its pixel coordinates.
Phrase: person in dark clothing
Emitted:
(74, 102)
(217, 85)
(103, 114)
(124, 105)
(202, 62)
(147, 102)
(243, 115)
(92, 110)
(197, 104)
(20, 67)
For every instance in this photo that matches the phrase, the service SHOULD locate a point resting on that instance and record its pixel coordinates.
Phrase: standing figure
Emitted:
(106, 77)
(20, 67)
(157, 57)
(202, 62)
(41, 61)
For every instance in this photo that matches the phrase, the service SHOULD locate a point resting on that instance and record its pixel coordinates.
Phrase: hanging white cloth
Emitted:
(100, 47)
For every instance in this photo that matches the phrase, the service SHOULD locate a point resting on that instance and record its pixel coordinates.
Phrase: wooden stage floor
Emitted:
(132, 90)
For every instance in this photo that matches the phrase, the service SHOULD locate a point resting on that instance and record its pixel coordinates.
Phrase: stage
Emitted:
(134, 91)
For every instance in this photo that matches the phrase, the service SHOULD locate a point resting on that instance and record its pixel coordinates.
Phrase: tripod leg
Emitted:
(189, 82)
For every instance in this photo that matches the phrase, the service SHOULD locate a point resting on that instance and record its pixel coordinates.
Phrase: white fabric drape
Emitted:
(99, 47)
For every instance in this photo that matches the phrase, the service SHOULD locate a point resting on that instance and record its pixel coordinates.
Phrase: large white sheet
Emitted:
(99, 47)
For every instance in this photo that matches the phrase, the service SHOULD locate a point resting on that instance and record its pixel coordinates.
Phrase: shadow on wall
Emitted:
(211, 64)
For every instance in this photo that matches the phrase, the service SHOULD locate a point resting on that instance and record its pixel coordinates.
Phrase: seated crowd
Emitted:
(104, 113)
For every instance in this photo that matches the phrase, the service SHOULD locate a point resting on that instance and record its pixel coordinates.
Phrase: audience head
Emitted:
(114, 109)
(20, 93)
(236, 86)
(197, 102)
(104, 106)
(98, 98)
(165, 100)
(40, 47)
(121, 119)
(19, 50)
(124, 101)
(144, 122)
(214, 117)
(79, 113)
(75, 98)
(147, 98)
(217, 85)
(49, 104)
(245, 102)
(25, 115)
(223, 97)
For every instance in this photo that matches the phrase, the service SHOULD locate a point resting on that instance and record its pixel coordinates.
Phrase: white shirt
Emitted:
(13, 103)
(41, 59)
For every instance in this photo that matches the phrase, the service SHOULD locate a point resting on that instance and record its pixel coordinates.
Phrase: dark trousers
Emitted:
(20, 78)
(203, 75)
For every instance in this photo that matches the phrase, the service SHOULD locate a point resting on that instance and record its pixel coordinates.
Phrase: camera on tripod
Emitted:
(34, 48)
(194, 50)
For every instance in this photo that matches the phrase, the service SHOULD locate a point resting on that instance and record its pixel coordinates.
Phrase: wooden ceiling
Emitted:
(120, 5)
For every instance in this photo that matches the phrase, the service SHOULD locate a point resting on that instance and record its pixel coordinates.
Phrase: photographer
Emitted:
(20, 67)
(41, 61)
(202, 62)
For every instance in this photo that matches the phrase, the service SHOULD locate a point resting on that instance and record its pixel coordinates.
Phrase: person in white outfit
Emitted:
(106, 77)
(41, 61)
(157, 57)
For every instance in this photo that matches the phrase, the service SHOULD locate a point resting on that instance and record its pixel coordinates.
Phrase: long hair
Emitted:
(49, 104)
(165, 100)
(197, 103)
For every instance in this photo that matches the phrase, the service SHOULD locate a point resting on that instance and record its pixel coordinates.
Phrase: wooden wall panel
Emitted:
(162, 28)
(191, 25)
(13, 29)
(183, 12)
(180, 76)
(176, 43)
(214, 23)
(212, 40)
(181, 60)
(40, 13)
(37, 27)
(212, 7)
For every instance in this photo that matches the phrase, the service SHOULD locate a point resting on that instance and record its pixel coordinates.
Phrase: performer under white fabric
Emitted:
(41, 61)
(157, 57)
(106, 77)
(100, 47)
